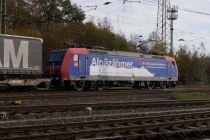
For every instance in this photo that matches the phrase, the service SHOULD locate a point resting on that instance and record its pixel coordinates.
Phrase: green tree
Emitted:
(18, 15)
(159, 48)
(55, 11)
(71, 12)
(183, 60)
(208, 69)
(192, 65)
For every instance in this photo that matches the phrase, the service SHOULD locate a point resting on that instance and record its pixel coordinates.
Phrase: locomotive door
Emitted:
(170, 69)
(82, 66)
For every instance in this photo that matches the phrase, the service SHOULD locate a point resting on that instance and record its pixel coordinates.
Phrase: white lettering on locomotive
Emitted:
(9, 54)
(113, 63)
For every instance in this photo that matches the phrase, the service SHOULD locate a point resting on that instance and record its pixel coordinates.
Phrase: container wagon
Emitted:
(21, 62)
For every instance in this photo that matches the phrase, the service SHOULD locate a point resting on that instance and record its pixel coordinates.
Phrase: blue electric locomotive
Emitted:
(84, 68)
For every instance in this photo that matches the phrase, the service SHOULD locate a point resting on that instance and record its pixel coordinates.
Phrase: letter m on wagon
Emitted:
(15, 56)
(20, 55)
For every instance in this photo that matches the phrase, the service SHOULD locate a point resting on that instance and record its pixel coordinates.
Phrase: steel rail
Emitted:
(180, 134)
(73, 94)
(98, 106)
(115, 126)
(62, 94)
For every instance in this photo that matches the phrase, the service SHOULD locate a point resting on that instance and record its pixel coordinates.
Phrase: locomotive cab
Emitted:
(172, 68)
(54, 62)
(62, 64)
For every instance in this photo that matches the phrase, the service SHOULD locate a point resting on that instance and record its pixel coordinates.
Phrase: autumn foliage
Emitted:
(59, 21)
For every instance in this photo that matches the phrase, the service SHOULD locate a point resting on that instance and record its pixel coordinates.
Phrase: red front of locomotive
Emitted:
(58, 64)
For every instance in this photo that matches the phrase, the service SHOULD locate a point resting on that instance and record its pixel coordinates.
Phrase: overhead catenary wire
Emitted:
(133, 24)
(181, 8)
(127, 17)
(149, 4)
(122, 22)
(196, 12)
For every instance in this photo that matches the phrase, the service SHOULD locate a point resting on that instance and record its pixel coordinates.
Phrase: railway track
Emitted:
(23, 109)
(73, 94)
(65, 94)
(135, 127)
(181, 124)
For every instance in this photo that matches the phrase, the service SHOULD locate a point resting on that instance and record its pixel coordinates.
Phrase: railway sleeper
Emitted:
(150, 129)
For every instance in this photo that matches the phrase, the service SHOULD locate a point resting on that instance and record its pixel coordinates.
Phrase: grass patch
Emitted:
(192, 95)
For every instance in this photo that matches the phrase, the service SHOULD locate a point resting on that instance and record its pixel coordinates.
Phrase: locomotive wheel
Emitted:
(4, 87)
(100, 86)
(136, 85)
(150, 86)
(80, 85)
(163, 85)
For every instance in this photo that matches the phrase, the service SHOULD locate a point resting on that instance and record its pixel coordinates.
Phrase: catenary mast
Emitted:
(3, 16)
(165, 17)
(163, 24)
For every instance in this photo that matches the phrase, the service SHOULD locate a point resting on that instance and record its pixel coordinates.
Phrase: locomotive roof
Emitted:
(127, 54)
(120, 53)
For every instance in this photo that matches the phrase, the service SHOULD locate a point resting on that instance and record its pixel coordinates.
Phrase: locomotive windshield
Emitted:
(55, 58)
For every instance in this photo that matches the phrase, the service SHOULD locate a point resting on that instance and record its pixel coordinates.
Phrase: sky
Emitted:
(141, 18)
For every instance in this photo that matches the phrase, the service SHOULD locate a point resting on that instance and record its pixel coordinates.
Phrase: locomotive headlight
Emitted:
(76, 58)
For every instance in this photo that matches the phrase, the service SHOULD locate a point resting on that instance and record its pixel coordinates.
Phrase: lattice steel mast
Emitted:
(2, 16)
(163, 24)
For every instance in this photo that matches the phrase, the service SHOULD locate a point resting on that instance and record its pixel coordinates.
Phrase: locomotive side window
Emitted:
(51, 58)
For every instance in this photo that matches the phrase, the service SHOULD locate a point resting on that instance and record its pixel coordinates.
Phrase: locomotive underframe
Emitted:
(101, 82)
